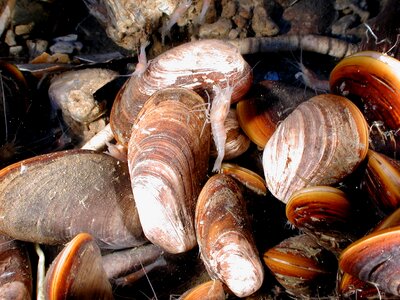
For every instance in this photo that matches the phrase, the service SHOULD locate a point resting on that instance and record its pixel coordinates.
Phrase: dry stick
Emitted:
(98, 141)
(312, 43)
(40, 273)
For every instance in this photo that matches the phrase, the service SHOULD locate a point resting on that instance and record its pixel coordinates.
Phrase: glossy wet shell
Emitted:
(324, 213)
(188, 65)
(372, 81)
(77, 272)
(224, 237)
(382, 181)
(375, 258)
(51, 198)
(299, 264)
(168, 160)
(321, 142)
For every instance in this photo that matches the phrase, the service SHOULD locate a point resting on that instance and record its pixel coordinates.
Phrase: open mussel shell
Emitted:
(51, 198)
(187, 65)
(382, 181)
(225, 240)
(324, 213)
(168, 161)
(269, 103)
(371, 80)
(301, 266)
(209, 290)
(320, 143)
(374, 258)
(15, 270)
(77, 272)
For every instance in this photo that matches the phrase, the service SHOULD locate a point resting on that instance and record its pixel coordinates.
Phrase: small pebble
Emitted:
(15, 50)
(10, 38)
(23, 28)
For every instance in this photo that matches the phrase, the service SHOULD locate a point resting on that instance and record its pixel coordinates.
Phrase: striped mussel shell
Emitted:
(168, 161)
(224, 236)
(320, 143)
(301, 266)
(197, 65)
(324, 213)
(371, 80)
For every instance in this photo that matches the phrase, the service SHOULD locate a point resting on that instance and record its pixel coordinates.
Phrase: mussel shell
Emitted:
(324, 213)
(300, 265)
(320, 143)
(374, 258)
(77, 272)
(51, 198)
(269, 103)
(372, 79)
(382, 181)
(197, 65)
(16, 272)
(209, 290)
(247, 177)
(168, 160)
(225, 241)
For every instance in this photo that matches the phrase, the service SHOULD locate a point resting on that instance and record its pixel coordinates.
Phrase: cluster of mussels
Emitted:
(164, 199)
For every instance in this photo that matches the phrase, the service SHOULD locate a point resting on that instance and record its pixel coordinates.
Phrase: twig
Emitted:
(99, 141)
(313, 43)
(40, 273)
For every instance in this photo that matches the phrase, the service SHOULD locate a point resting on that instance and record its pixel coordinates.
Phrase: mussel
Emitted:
(320, 143)
(168, 156)
(225, 240)
(53, 197)
(371, 80)
(188, 66)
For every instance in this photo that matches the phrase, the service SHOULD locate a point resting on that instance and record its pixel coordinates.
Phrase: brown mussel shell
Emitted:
(168, 161)
(209, 290)
(324, 213)
(247, 177)
(77, 272)
(374, 258)
(371, 80)
(269, 103)
(16, 272)
(51, 198)
(225, 241)
(197, 65)
(320, 143)
(382, 181)
(300, 265)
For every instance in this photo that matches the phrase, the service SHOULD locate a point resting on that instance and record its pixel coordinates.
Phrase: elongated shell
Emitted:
(372, 79)
(323, 140)
(168, 160)
(224, 237)
(197, 65)
(77, 272)
(51, 198)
